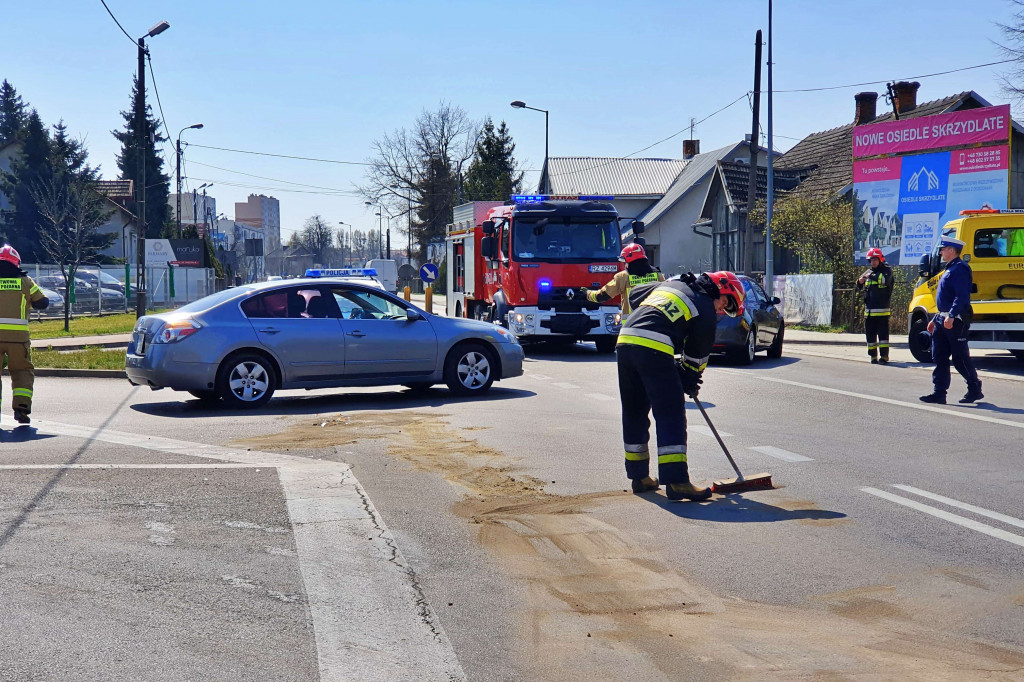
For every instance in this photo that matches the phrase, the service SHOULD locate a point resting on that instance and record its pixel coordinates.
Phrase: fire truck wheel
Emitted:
(469, 369)
(605, 345)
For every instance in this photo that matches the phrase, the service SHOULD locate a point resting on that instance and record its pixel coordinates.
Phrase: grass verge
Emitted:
(89, 358)
(824, 328)
(122, 323)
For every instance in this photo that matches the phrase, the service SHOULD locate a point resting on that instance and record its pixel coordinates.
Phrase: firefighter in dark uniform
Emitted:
(638, 271)
(950, 325)
(677, 317)
(877, 285)
(17, 293)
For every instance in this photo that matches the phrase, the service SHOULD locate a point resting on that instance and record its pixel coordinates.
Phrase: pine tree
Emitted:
(158, 211)
(12, 113)
(493, 174)
(31, 169)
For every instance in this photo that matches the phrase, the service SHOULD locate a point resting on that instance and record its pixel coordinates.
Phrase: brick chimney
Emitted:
(691, 148)
(865, 112)
(906, 95)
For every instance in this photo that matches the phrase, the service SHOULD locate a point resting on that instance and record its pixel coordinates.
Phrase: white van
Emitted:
(387, 273)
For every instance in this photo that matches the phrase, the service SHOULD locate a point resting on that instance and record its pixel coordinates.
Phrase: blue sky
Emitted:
(324, 79)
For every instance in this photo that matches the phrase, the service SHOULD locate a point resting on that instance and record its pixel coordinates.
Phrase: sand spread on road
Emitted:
(601, 606)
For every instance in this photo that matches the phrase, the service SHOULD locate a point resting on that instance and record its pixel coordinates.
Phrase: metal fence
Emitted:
(848, 302)
(101, 290)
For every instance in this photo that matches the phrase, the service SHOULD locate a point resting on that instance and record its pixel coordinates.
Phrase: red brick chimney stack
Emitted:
(691, 148)
(906, 95)
(866, 107)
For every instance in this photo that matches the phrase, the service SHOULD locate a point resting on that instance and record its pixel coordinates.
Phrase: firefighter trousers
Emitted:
(649, 381)
(876, 328)
(17, 355)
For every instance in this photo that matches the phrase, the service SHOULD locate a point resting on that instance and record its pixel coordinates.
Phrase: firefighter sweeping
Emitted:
(17, 293)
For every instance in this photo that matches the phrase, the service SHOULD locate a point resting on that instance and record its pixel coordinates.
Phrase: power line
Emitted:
(117, 22)
(927, 75)
(280, 156)
(163, 119)
(287, 182)
(232, 183)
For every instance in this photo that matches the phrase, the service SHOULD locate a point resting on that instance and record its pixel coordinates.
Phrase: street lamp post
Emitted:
(140, 117)
(343, 223)
(177, 171)
(518, 104)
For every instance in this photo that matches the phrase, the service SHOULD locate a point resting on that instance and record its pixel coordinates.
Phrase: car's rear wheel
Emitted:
(469, 369)
(745, 355)
(775, 350)
(206, 396)
(246, 380)
(605, 344)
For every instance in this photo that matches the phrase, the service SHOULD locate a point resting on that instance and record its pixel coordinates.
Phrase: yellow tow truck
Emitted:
(995, 251)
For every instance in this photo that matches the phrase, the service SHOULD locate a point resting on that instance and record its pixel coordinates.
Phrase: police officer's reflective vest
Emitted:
(16, 297)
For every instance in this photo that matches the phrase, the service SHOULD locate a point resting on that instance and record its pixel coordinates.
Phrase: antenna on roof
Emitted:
(890, 98)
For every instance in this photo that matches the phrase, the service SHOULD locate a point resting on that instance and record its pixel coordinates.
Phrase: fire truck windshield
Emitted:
(565, 240)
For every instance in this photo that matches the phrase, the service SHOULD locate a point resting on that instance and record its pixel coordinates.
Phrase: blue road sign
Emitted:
(428, 273)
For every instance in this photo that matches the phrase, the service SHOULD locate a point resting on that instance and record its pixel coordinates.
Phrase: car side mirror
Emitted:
(925, 269)
(488, 227)
(411, 314)
(775, 300)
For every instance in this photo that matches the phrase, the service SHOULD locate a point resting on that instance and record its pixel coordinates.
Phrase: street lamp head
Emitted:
(368, 203)
(158, 29)
(518, 104)
(196, 126)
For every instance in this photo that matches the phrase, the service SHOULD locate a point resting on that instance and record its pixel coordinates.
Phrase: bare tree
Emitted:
(316, 236)
(418, 173)
(72, 210)
(1012, 47)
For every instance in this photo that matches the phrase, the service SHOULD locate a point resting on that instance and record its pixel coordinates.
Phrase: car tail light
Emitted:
(173, 332)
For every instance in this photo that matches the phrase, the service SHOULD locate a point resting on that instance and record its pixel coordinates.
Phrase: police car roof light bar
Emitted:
(341, 272)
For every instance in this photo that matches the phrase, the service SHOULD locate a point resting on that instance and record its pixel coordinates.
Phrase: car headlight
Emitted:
(173, 332)
(612, 322)
(506, 335)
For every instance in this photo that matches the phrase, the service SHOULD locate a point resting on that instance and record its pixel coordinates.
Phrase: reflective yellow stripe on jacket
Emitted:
(647, 339)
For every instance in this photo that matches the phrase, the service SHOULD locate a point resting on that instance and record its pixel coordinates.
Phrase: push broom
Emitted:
(741, 482)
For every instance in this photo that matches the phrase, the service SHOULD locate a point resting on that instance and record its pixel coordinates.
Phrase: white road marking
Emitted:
(222, 465)
(980, 511)
(599, 396)
(946, 516)
(571, 387)
(370, 628)
(705, 431)
(962, 414)
(779, 453)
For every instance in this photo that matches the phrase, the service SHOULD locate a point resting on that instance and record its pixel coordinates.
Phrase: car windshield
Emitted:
(565, 240)
(212, 300)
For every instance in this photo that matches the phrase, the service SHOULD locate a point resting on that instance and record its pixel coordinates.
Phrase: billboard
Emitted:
(920, 173)
(186, 253)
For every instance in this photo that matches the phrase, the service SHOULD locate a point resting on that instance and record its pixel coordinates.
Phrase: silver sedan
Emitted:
(242, 344)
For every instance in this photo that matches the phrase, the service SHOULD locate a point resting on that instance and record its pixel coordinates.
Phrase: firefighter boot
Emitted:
(644, 485)
(21, 416)
(687, 491)
(974, 394)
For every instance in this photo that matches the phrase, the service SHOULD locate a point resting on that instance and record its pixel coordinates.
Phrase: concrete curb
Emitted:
(847, 344)
(42, 345)
(81, 373)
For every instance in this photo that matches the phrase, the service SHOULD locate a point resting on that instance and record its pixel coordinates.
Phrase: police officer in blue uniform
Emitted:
(950, 325)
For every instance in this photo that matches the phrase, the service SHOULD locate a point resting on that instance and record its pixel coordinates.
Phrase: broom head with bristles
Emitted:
(732, 485)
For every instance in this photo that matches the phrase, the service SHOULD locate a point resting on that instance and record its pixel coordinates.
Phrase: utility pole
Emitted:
(769, 255)
(748, 237)
(140, 251)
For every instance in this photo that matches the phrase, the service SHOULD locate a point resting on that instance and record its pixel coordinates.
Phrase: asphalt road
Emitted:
(892, 546)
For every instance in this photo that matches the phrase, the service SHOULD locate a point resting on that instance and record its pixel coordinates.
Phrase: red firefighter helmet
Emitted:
(632, 252)
(729, 285)
(9, 254)
(876, 253)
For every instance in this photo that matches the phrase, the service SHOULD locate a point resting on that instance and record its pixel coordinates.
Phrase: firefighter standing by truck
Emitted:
(677, 317)
(17, 293)
(638, 271)
(877, 285)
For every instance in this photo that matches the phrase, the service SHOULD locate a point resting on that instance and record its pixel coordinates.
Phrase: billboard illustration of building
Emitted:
(910, 177)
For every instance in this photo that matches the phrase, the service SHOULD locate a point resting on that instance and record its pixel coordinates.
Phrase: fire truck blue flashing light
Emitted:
(341, 272)
(536, 198)
(544, 284)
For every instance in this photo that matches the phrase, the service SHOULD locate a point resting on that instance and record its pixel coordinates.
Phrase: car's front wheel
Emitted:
(919, 341)
(469, 369)
(246, 380)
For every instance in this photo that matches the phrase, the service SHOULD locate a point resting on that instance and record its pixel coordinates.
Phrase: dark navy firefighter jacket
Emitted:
(675, 318)
(953, 298)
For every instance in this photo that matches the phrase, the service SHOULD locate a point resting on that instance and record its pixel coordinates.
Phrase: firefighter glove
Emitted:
(691, 381)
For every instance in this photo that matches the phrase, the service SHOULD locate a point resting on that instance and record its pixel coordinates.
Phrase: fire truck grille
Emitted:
(565, 300)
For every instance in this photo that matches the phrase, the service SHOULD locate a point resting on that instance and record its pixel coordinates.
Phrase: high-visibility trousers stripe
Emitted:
(23, 392)
(637, 456)
(672, 458)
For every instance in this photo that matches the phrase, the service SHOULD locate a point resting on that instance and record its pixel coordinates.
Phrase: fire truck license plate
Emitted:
(604, 268)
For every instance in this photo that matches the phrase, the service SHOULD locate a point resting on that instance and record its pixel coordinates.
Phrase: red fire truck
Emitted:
(522, 265)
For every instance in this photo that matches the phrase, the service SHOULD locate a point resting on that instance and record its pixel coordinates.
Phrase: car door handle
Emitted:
(356, 333)
(270, 330)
